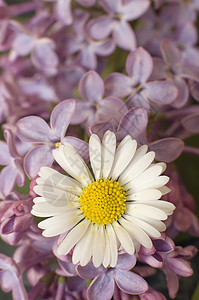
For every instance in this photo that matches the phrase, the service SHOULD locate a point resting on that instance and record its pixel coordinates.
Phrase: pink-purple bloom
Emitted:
(116, 81)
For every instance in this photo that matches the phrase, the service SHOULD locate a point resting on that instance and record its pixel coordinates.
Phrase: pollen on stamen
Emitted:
(103, 201)
(57, 144)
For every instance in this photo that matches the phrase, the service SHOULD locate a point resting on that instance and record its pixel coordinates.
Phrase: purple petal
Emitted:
(183, 92)
(82, 111)
(133, 123)
(170, 53)
(162, 246)
(8, 179)
(20, 172)
(23, 44)
(33, 129)
(91, 87)
(104, 48)
(5, 157)
(183, 219)
(19, 291)
(100, 27)
(159, 69)
(130, 282)
(112, 109)
(22, 223)
(89, 271)
(134, 9)
(102, 287)
(88, 58)
(118, 85)
(167, 149)
(63, 11)
(112, 5)
(11, 141)
(100, 128)
(126, 261)
(180, 267)
(137, 99)
(124, 36)
(191, 123)
(35, 159)
(187, 34)
(160, 92)
(139, 65)
(39, 87)
(7, 226)
(60, 118)
(79, 145)
(44, 57)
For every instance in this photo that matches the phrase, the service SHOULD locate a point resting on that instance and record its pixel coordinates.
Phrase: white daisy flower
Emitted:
(113, 206)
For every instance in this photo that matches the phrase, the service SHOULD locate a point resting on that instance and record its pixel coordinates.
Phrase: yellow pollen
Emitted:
(57, 144)
(103, 201)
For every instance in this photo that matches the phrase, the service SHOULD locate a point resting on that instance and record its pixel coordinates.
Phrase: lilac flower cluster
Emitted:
(72, 68)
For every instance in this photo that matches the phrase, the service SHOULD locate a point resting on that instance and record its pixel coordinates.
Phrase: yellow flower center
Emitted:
(57, 144)
(103, 201)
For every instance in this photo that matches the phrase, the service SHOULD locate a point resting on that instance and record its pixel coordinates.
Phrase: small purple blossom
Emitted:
(137, 85)
(105, 279)
(35, 130)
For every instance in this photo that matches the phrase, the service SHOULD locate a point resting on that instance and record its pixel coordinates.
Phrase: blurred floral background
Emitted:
(132, 67)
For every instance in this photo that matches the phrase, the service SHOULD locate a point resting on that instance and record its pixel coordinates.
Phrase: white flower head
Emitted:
(116, 205)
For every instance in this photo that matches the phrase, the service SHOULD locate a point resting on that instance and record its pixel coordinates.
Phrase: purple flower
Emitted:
(116, 21)
(102, 287)
(11, 278)
(134, 122)
(42, 49)
(175, 69)
(85, 48)
(63, 11)
(15, 217)
(136, 85)
(35, 130)
(183, 218)
(175, 265)
(13, 173)
(93, 107)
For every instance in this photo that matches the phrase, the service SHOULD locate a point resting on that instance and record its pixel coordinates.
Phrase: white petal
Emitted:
(58, 180)
(150, 183)
(108, 153)
(87, 251)
(138, 154)
(163, 165)
(99, 247)
(166, 206)
(136, 233)
(124, 238)
(164, 190)
(95, 155)
(159, 225)
(107, 255)
(142, 210)
(56, 196)
(150, 173)
(150, 230)
(59, 224)
(84, 248)
(146, 195)
(73, 237)
(123, 156)
(133, 171)
(113, 245)
(44, 209)
(69, 159)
